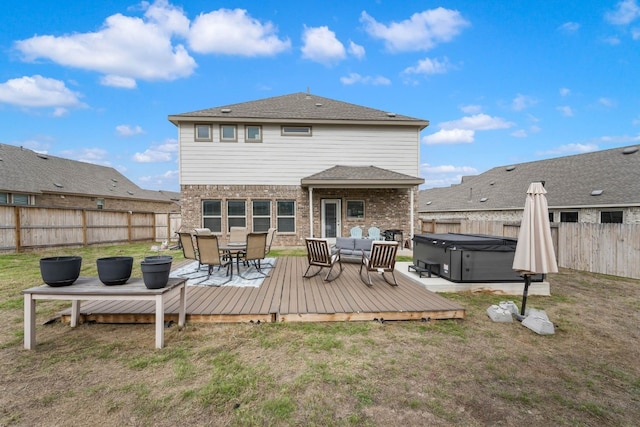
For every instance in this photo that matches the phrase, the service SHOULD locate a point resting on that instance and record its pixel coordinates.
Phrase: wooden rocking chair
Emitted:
(319, 255)
(382, 259)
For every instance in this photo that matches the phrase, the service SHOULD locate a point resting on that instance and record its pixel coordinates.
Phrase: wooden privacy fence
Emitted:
(598, 248)
(31, 227)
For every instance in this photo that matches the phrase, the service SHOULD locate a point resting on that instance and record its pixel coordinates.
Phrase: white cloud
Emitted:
(570, 149)
(613, 40)
(569, 27)
(521, 102)
(564, 91)
(429, 66)
(445, 175)
(118, 81)
(450, 136)
(477, 122)
(606, 102)
(565, 110)
(162, 181)
(38, 91)
(354, 78)
(321, 45)
(158, 153)
(126, 130)
(422, 31)
(626, 12)
(520, 133)
(471, 109)
(97, 156)
(168, 17)
(356, 50)
(234, 32)
(125, 47)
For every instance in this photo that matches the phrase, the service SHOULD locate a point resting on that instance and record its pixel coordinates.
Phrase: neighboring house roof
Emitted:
(360, 177)
(608, 178)
(298, 108)
(25, 171)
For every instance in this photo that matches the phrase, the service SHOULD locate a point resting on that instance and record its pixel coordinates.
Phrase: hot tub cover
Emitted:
(474, 242)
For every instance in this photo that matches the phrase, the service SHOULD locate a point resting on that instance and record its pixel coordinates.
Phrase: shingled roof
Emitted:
(26, 171)
(360, 176)
(298, 108)
(608, 178)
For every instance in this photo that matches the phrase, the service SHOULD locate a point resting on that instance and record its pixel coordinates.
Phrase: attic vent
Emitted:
(225, 110)
(429, 202)
(43, 156)
(58, 185)
(130, 192)
(318, 104)
(113, 185)
(484, 199)
(510, 168)
(597, 192)
(391, 114)
(630, 150)
(114, 180)
(492, 183)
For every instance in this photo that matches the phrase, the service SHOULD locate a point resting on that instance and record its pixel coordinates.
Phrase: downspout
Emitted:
(411, 216)
(310, 211)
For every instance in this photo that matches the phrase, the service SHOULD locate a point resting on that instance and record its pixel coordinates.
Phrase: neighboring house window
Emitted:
(20, 199)
(236, 214)
(568, 216)
(286, 212)
(212, 215)
(253, 133)
(228, 133)
(203, 133)
(296, 130)
(100, 203)
(355, 209)
(4, 198)
(261, 215)
(611, 217)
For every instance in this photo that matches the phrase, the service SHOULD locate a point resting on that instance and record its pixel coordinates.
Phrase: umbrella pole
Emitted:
(527, 282)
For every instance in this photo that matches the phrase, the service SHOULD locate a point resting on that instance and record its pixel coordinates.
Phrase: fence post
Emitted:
(83, 215)
(18, 234)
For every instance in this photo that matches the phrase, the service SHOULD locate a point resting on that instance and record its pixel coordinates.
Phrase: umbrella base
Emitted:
(538, 322)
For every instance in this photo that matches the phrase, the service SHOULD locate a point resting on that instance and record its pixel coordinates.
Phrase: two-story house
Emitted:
(304, 164)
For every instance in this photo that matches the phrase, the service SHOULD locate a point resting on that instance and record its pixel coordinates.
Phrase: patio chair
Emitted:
(237, 234)
(210, 255)
(271, 233)
(356, 232)
(319, 255)
(373, 233)
(202, 231)
(382, 259)
(189, 249)
(254, 253)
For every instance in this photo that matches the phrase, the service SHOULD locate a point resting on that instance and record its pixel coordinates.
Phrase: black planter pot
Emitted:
(60, 270)
(158, 258)
(114, 270)
(155, 273)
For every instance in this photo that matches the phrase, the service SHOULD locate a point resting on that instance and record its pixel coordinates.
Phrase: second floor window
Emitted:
(228, 133)
(203, 132)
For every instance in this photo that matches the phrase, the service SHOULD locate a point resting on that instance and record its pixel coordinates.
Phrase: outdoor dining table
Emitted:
(232, 249)
(90, 288)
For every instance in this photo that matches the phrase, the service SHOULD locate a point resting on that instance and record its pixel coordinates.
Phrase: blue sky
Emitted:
(500, 82)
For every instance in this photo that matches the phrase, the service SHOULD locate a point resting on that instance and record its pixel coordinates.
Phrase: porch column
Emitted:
(310, 211)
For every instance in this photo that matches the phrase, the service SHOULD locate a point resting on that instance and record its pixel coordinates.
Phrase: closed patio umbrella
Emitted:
(534, 251)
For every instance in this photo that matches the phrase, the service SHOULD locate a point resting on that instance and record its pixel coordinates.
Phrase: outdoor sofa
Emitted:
(352, 248)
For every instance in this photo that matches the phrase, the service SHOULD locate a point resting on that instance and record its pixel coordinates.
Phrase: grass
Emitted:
(470, 372)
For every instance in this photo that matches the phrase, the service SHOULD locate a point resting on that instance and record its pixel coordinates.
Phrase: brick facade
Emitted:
(85, 202)
(384, 208)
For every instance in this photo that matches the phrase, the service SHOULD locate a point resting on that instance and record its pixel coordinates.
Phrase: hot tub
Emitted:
(469, 257)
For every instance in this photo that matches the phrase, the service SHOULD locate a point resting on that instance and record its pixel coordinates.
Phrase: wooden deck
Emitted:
(285, 296)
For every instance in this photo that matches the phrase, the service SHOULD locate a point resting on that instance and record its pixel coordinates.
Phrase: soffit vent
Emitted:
(597, 192)
(630, 150)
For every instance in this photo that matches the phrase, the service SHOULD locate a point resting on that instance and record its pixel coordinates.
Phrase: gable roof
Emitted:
(569, 182)
(298, 108)
(25, 171)
(360, 177)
